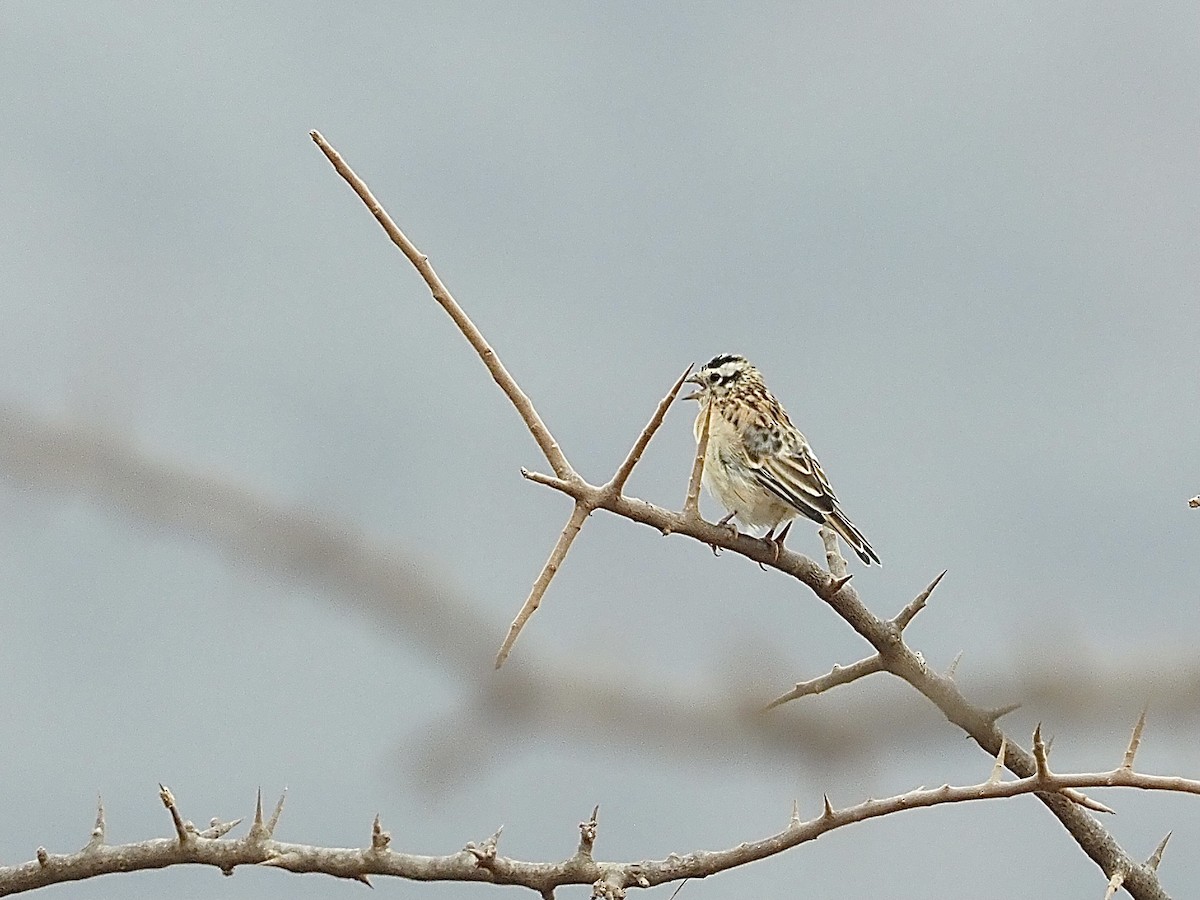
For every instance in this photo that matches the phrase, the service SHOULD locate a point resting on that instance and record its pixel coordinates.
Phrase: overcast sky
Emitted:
(959, 239)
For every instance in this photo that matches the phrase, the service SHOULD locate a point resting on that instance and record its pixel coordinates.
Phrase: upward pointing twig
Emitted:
(541, 434)
(617, 484)
(691, 502)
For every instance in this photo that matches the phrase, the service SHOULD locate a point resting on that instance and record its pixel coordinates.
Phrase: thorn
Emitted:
(276, 814)
(379, 838)
(362, 878)
(917, 604)
(258, 816)
(954, 664)
(992, 715)
(1135, 741)
(998, 768)
(1039, 753)
(97, 836)
(836, 584)
(216, 828)
(1087, 802)
(828, 812)
(795, 820)
(1157, 855)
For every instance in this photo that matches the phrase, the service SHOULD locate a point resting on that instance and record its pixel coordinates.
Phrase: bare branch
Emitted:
(838, 675)
(484, 863)
(549, 570)
(1135, 741)
(617, 484)
(524, 406)
(1114, 884)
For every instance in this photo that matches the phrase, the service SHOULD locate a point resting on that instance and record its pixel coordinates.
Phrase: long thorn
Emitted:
(1135, 741)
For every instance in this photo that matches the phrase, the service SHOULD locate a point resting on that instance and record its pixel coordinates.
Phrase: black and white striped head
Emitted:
(721, 374)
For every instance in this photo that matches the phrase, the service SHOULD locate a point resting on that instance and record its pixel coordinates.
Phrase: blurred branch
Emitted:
(686, 721)
(483, 862)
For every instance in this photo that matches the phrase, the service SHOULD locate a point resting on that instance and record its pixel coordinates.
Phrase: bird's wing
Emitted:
(790, 471)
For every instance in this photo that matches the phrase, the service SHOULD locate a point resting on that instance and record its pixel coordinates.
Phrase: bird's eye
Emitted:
(713, 377)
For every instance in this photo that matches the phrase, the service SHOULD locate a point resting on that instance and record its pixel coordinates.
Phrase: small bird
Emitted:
(758, 464)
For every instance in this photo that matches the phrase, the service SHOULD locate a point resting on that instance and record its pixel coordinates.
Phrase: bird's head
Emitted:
(720, 375)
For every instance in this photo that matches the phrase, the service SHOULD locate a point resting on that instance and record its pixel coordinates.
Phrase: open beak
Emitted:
(696, 380)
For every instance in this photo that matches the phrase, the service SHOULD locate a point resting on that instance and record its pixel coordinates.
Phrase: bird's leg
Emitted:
(726, 522)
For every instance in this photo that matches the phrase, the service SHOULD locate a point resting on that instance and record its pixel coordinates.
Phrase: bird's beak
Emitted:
(696, 380)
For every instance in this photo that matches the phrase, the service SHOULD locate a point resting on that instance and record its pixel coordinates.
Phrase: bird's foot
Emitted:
(776, 542)
(726, 523)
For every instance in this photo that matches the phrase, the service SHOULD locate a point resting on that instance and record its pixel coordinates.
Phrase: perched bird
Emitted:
(758, 465)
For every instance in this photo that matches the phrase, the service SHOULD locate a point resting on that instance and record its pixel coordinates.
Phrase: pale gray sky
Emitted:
(959, 239)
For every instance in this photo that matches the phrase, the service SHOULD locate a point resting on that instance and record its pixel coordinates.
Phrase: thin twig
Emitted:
(533, 601)
(617, 483)
(692, 500)
(839, 675)
(522, 403)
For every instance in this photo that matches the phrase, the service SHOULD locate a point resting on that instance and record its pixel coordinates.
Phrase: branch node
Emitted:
(43, 857)
(485, 853)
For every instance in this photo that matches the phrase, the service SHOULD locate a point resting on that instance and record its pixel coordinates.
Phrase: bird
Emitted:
(758, 464)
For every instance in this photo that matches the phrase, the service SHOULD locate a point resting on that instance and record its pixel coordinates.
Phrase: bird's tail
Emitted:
(858, 543)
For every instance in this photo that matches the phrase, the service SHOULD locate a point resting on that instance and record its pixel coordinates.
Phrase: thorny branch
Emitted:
(885, 636)
(483, 863)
